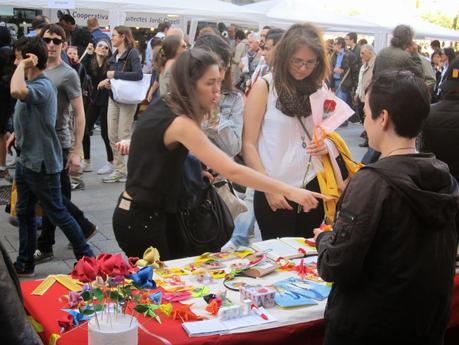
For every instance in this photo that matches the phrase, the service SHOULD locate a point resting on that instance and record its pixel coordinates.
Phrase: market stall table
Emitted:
(303, 325)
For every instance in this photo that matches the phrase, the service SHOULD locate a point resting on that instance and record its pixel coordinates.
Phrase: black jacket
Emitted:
(128, 66)
(348, 80)
(16, 329)
(441, 132)
(392, 253)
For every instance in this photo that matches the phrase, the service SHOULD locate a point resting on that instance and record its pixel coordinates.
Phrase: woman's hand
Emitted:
(90, 49)
(318, 149)
(306, 198)
(317, 232)
(104, 84)
(110, 74)
(277, 202)
(208, 175)
(123, 146)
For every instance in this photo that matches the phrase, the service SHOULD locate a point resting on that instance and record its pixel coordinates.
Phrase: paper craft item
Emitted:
(63, 279)
(301, 244)
(212, 265)
(325, 117)
(259, 295)
(230, 312)
(296, 292)
(215, 326)
(170, 272)
(263, 268)
(285, 247)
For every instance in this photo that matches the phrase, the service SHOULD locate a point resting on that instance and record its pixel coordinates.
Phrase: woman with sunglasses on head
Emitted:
(274, 141)
(124, 64)
(170, 50)
(96, 64)
(165, 134)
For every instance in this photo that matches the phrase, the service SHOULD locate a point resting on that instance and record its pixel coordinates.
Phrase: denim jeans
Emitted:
(46, 239)
(343, 95)
(244, 223)
(45, 188)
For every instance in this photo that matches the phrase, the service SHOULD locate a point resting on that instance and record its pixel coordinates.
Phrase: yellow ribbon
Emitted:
(35, 324)
(65, 280)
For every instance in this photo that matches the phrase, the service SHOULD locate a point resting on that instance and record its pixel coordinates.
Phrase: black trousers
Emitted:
(93, 112)
(137, 228)
(286, 223)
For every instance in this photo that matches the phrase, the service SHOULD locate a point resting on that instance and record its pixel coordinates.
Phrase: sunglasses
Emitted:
(56, 41)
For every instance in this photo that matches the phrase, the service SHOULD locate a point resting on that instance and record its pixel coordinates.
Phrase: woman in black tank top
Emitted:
(169, 128)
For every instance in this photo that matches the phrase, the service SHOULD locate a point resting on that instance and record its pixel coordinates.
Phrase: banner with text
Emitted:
(133, 19)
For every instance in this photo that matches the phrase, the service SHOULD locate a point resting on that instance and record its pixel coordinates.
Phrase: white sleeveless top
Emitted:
(280, 143)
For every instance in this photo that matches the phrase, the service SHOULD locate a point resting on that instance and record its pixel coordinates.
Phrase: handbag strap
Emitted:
(304, 127)
(342, 80)
(125, 62)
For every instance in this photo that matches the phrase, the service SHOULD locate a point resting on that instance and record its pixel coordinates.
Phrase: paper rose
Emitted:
(86, 269)
(329, 106)
(112, 265)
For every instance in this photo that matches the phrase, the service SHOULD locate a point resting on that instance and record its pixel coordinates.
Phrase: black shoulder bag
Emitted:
(204, 221)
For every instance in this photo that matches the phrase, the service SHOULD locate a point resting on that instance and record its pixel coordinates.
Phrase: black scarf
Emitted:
(297, 104)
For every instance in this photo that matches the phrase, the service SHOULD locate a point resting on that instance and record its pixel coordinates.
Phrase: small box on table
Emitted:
(259, 295)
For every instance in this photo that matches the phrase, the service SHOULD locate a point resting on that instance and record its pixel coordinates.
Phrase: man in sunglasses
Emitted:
(67, 83)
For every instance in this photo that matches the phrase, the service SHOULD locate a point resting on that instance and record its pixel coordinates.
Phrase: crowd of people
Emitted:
(241, 105)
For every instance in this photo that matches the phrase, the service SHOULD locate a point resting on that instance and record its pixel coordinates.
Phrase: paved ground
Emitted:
(98, 202)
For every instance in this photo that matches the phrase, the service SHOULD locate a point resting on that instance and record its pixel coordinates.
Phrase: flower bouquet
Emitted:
(112, 287)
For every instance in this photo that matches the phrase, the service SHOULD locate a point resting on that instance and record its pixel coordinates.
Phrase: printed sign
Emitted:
(61, 3)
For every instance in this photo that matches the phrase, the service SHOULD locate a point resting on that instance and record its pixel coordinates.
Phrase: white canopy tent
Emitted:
(286, 12)
(424, 30)
(200, 9)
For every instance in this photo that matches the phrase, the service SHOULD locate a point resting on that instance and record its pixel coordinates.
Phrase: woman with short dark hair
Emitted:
(394, 227)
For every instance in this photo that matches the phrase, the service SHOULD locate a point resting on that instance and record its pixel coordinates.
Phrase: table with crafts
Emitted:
(293, 325)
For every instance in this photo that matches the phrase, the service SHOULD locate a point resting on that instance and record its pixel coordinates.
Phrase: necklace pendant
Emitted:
(303, 144)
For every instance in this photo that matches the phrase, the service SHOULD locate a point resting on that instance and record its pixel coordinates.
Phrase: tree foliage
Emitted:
(439, 18)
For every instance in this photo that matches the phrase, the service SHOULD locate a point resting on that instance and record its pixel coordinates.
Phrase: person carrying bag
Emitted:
(123, 67)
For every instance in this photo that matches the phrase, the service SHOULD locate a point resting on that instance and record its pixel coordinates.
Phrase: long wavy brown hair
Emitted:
(128, 37)
(297, 36)
(185, 73)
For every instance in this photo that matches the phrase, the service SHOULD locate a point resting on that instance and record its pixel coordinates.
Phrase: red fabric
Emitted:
(47, 311)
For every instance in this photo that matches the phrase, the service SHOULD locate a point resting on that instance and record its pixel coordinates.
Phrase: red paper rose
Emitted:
(65, 322)
(329, 105)
(112, 265)
(86, 269)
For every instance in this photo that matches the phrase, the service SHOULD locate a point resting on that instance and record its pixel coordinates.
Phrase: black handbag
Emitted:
(204, 221)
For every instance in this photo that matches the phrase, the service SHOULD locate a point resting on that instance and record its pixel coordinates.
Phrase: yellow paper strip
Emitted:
(68, 282)
(44, 286)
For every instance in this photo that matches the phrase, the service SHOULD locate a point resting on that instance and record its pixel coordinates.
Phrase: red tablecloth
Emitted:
(47, 310)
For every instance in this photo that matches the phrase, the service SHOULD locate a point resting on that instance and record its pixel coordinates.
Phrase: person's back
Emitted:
(401, 292)
(441, 130)
(393, 58)
(391, 254)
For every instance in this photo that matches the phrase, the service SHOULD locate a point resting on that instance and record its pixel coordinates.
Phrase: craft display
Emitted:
(116, 297)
